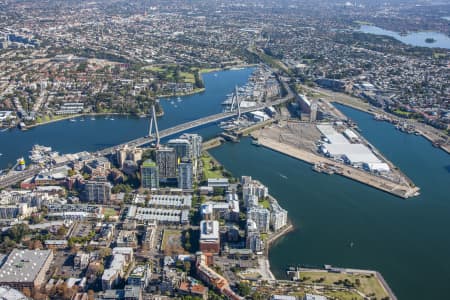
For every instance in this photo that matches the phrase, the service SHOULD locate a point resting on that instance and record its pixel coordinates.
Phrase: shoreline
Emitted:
(159, 97)
(422, 133)
(85, 115)
(264, 260)
(372, 110)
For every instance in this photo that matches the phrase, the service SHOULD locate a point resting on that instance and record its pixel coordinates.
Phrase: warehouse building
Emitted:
(26, 268)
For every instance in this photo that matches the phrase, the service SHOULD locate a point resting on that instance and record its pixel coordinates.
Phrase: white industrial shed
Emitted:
(356, 154)
(332, 135)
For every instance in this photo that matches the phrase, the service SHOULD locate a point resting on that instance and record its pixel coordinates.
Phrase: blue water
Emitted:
(408, 241)
(412, 38)
(70, 137)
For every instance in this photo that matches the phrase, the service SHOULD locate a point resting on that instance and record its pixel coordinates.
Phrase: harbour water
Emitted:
(412, 38)
(90, 135)
(408, 241)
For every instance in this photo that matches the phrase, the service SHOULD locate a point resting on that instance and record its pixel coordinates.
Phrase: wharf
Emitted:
(347, 171)
(212, 143)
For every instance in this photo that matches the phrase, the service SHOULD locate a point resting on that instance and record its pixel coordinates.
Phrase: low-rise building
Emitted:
(209, 236)
(81, 260)
(126, 238)
(140, 276)
(26, 268)
(218, 182)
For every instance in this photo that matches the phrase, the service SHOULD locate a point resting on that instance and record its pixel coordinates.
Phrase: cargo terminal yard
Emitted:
(335, 146)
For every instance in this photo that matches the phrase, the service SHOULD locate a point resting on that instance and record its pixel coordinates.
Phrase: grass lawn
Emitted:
(187, 77)
(168, 73)
(109, 212)
(368, 284)
(265, 203)
(154, 69)
(171, 241)
(205, 70)
(208, 171)
(343, 295)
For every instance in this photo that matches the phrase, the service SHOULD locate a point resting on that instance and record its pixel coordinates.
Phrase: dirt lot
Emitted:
(172, 242)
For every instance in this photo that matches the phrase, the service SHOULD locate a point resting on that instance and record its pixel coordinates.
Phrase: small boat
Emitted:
(1, 154)
(172, 102)
(216, 75)
(93, 118)
(175, 105)
(256, 143)
(112, 119)
(179, 98)
(82, 120)
(351, 244)
(72, 120)
(283, 176)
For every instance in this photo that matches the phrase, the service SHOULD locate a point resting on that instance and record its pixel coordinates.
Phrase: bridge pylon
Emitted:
(238, 104)
(153, 119)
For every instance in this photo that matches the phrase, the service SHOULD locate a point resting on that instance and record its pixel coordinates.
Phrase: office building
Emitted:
(166, 159)
(149, 175)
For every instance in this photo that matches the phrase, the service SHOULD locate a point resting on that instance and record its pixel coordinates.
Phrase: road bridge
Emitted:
(6, 181)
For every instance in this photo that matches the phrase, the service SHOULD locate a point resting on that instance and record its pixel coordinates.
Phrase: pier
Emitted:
(347, 171)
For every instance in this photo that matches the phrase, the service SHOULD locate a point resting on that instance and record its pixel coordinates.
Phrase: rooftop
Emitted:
(209, 230)
(23, 265)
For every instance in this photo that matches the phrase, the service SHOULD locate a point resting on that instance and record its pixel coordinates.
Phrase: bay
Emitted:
(91, 135)
(412, 38)
(408, 241)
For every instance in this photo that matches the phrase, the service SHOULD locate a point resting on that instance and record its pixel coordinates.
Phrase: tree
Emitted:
(243, 289)
(27, 292)
(17, 232)
(104, 252)
(61, 231)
